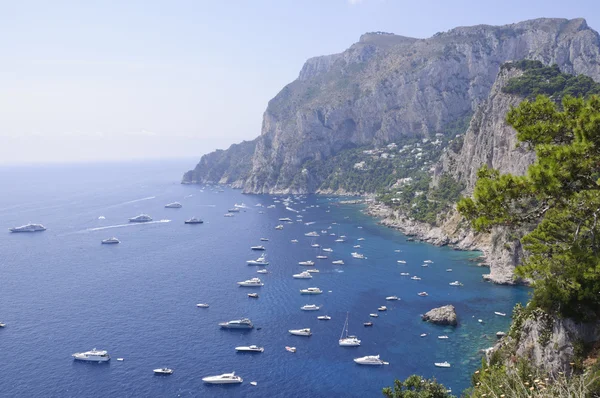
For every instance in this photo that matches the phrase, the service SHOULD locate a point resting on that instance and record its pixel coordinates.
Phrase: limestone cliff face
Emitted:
(388, 86)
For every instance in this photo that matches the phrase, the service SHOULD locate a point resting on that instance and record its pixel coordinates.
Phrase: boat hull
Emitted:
(84, 358)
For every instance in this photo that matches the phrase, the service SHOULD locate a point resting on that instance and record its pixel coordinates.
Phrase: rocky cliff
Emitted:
(385, 87)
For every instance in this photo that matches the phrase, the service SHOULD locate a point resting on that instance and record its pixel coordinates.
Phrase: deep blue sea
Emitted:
(62, 292)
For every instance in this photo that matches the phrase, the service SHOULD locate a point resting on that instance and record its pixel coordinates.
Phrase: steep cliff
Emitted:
(386, 87)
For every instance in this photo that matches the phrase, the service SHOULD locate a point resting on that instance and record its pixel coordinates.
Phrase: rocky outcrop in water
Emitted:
(445, 315)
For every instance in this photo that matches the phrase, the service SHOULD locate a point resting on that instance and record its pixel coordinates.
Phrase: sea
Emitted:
(62, 291)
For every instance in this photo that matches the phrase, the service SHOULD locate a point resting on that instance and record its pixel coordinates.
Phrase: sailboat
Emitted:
(348, 341)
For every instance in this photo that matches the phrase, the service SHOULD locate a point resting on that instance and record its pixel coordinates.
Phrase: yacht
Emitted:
(348, 341)
(253, 295)
(392, 298)
(110, 241)
(370, 360)
(250, 348)
(499, 313)
(280, 226)
(262, 271)
(373, 315)
(382, 308)
(308, 263)
(423, 294)
(338, 262)
(258, 248)
(193, 220)
(357, 255)
(174, 205)
(324, 318)
(302, 275)
(311, 290)
(262, 260)
(310, 307)
(312, 233)
(328, 250)
(444, 364)
(254, 282)
(285, 219)
(28, 228)
(202, 305)
(455, 283)
(141, 218)
(92, 356)
(243, 323)
(313, 271)
(415, 278)
(225, 378)
(264, 239)
(163, 371)
(300, 332)
(401, 262)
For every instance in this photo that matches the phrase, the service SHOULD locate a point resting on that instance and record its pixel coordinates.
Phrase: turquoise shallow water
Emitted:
(62, 292)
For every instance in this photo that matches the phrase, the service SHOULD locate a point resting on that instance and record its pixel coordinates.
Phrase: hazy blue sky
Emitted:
(90, 80)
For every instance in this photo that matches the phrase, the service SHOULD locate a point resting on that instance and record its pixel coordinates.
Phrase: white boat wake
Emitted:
(131, 201)
(125, 225)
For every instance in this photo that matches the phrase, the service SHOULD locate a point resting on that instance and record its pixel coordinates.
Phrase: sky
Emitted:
(84, 81)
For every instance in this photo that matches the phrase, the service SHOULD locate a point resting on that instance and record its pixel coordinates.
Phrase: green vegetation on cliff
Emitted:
(417, 387)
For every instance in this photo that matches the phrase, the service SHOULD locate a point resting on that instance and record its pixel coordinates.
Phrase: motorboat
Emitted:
(227, 215)
(310, 307)
(382, 308)
(374, 315)
(262, 260)
(311, 290)
(254, 282)
(294, 241)
(141, 218)
(307, 263)
(243, 323)
(312, 233)
(442, 364)
(405, 274)
(300, 332)
(28, 228)
(328, 250)
(370, 360)
(270, 206)
(340, 240)
(480, 320)
(2, 325)
(367, 324)
(321, 257)
(428, 262)
(346, 340)
(279, 227)
(240, 206)
(302, 275)
(424, 265)
(415, 278)
(110, 241)
(392, 298)
(360, 239)
(499, 313)
(324, 318)
(193, 220)
(250, 348)
(315, 245)
(313, 271)
(423, 334)
(290, 349)
(262, 271)
(448, 269)
(233, 210)
(357, 255)
(163, 371)
(443, 337)
(202, 305)
(455, 283)
(253, 295)
(401, 262)
(264, 239)
(225, 378)
(258, 248)
(286, 219)
(356, 246)
(338, 262)
(174, 205)
(423, 294)
(92, 356)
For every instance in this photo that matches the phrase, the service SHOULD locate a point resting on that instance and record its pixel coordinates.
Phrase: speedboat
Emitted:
(300, 332)
(324, 318)
(338, 262)
(202, 305)
(262, 271)
(280, 226)
(455, 283)
(243, 323)
(366, 324)
(253, 295)
(373, 315)
(310, 307)
(328, 250)
(141, 218)
(311, 290)
(423, 334)
(415, 278)
(401, 262)
(302, 275)
(442, 364)
(110, 241)
(392, 298)
(258, 248)
(443, 337)
(174, 205)
(382, 308)
(193, 220)
(250, 348)
(423, 294)
(28, 228)
(308, 263)
(290, 349)
(499, 313)
(313, 271)
(348, 341)
(254, 282)
(163, 371)
(370, 360)
(262, 260)
(92, 356)
(225, 378)
(357, 255)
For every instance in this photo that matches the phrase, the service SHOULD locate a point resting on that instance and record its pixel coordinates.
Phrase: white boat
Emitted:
(294, 241)
(202, 305)
(310, 307)
(455, 283)
(141, 218)
(346, 340)
(174, 205)
(227, 215)
(499, 313)
(2, 325)
(324, 318)
(253, 295)
(163, 371)
(442, 364)
(312, 233)
(423, 294)
(338, 262)
(110, 241)
(250, 348)
(311, 290)
(443, 337)
(401, 262)
(262, 260)
(392, 298)
(193, 220)
(373, 315)
(233, 210)
(328, 250)
(285, 219)
(280, 226)
(264, 239)
(359, 239)
(225, 378)
(480, 320)
(405, 274)
(270, 206)
(370, 360)
(356, 246)
(300, 332)
(448, 269)
(243, 323)
(302, 275)
(423, 334)
(321, 257)
(357, 255)
(428, 262)
(313, 271)
(500, 334)
(424, 265)
(253, 383)
(340, 240)
(258, 248)
(262, 271)
(290, 349)
(315, 245)
(307, 263)
(382, 308)
(254, 282)
(92, 356)
(415, 278)
(28, 228)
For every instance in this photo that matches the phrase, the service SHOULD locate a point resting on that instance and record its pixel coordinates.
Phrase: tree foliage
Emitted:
(417, 387)
(559, 196)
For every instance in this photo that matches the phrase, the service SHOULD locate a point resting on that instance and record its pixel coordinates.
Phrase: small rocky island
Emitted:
(445, 315)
